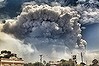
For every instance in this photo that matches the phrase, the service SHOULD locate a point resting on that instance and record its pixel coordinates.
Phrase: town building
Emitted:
(9, 59)
(54, 63)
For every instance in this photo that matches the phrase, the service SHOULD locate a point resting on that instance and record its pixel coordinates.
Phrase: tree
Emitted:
(95, 62)
(44, 62)
(62, 60)
(28, 64)
(37, 64)
(48, 64)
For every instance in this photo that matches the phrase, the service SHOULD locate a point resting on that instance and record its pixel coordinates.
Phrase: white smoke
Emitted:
(9, 42)
(81, 0)
(90, 56)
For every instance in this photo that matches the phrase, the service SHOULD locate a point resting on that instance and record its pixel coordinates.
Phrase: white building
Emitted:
(9, 62)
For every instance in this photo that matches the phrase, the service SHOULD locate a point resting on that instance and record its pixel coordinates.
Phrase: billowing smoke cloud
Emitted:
(49, 31)
(89, 12)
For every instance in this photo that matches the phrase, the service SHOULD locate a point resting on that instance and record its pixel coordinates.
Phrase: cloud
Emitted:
(1, 0)
(89, 12)
(2, 3)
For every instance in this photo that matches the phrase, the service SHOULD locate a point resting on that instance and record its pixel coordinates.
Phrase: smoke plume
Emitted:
(43, 30)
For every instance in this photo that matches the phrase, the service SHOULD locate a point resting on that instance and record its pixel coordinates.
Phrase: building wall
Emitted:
(8, 64)
(11, 63)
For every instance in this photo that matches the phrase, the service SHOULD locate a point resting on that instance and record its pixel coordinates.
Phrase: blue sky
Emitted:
(91, 35)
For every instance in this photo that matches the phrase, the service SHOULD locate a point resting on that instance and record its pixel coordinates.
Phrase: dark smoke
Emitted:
(44, 25)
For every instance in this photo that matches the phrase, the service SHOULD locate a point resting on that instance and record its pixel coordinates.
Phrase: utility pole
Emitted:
(41, 58)
(82, 61)
(82, 57)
